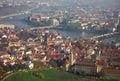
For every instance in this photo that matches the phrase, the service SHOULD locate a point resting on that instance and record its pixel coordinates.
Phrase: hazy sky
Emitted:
(106, 3)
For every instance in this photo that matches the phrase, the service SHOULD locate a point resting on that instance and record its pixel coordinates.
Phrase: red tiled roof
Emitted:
(101, 63)
(111, 71)
(81, 53)
(86, 63)
(38, 56)
(55, 55)
(9, 62)
(3, 53)
(113, 53)
(116, 60)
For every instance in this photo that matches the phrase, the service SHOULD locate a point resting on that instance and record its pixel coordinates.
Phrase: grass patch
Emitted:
(53, 75)
(42, 75)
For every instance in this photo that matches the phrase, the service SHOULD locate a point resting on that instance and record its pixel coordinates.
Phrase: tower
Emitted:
(71, 57)
(115, 14)
(118, 26)
(45, 39)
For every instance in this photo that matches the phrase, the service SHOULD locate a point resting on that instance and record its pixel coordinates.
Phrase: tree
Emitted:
(80, 44)
(2, 71)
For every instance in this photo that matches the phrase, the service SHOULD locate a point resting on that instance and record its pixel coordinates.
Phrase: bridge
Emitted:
(11, 15)
(104, 35)
(44, 27)
(20, 13)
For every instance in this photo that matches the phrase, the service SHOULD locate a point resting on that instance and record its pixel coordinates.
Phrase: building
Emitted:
(38, 18)
(55, 22)
(5, 59)
(45, 17)
(115, 14)
(35, 18)
(4, 55)
(85, 68)
(7, 26)
(111, 73)
(1, 4)
(29, 64)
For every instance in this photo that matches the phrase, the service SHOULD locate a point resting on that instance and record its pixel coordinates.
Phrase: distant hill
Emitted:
(96, 3)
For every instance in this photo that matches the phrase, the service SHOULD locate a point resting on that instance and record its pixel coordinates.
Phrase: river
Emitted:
(20, 22)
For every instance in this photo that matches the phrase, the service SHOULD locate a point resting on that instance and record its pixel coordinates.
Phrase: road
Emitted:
(7, 76)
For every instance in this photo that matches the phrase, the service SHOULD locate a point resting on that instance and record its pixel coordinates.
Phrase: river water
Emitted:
(77, 34)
